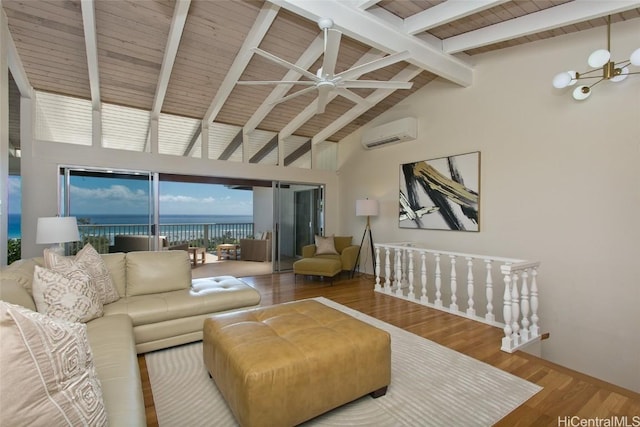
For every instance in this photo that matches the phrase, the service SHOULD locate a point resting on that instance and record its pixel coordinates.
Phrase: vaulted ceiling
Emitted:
(185, 57)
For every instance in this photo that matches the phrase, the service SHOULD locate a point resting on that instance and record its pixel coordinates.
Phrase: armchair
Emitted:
(327, 264)
(256, 249)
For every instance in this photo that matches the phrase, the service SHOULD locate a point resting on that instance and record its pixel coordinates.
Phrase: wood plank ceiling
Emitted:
(136, 67)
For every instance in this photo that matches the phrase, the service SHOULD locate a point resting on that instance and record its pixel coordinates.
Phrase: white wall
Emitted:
(559, 183)
(262, 210)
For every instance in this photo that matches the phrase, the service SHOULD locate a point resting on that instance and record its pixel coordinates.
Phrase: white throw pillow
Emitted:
(71, 297)
(89, 260)
(325, 246)
(47, 370)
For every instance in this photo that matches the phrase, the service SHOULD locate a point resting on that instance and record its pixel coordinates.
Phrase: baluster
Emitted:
(378, 287)
(398, 274)
(534, 330)
(524, 307)
(423, 278)
(489, 316)
(387, 269)
(470, 310)
(454, 285)
(515, 309)
(410, 295)
(438, 301)
(507, 340)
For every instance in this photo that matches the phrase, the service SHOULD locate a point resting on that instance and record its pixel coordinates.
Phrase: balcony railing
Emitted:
(406, 270)
(101, 236)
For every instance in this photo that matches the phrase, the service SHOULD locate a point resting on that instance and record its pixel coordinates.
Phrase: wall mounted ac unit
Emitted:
(390, 133)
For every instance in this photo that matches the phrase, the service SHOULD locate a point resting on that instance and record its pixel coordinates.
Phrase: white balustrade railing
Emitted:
(406, 265)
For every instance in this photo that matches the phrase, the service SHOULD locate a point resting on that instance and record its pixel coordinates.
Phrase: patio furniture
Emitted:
(256, 249)
(194, 251)
(228, 249)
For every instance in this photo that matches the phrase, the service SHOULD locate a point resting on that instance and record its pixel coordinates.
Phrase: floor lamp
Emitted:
(366, 208)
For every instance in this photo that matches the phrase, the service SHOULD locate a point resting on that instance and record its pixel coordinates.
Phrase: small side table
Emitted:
(228, 248)
(194, 251)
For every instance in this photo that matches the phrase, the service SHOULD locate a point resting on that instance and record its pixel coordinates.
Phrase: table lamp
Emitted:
(57, 230)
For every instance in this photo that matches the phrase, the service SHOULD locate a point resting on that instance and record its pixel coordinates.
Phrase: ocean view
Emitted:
(14, 220)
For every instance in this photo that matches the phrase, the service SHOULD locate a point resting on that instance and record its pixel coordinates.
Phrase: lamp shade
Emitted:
(57, 229)
(366, 207)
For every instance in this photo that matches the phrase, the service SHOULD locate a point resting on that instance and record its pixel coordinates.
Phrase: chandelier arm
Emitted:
(622, 64)
(596, 83)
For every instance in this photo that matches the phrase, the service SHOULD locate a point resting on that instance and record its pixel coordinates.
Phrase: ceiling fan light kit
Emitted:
(325, 80)
(600, 61)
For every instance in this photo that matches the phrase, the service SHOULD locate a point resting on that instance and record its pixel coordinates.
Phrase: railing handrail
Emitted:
(418, 274)
(413, 245)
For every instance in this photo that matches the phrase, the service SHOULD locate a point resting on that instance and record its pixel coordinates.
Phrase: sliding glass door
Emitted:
(298, 217)
(115, 210)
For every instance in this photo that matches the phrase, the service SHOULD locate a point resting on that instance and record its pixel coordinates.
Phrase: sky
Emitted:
(90, 195)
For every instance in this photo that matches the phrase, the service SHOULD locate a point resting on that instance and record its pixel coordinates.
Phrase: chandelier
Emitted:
(603, 68)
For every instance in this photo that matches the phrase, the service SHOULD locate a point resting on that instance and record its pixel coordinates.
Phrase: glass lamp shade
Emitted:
(581, 92)
(573, 78)
(624, 72)
(635, 57)
(57, 229)
(562, 80)
(598, 58)
(366, 207)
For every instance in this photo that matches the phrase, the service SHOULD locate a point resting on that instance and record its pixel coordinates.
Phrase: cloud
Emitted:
(170, 198)
(118, 193)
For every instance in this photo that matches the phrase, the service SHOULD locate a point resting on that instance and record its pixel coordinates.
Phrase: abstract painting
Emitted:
(441, 194)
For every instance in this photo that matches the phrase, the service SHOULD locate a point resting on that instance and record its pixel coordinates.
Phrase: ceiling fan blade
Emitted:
(323, 98)
(276, 82)
(351, 96)
(375, 84)
(356, 72)
(293, 95)
(285, 64)
(331, 47)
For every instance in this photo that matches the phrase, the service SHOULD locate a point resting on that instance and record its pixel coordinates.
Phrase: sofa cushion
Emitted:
(21, 271)
(12, 292)
(89, 261)
(116, 264)
(72, 297)
(325, 246)
(47, 370)
(209, 295)
(151, 272)
(115, 359)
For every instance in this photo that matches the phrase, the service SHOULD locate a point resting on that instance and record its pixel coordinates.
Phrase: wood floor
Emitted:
(566, 393)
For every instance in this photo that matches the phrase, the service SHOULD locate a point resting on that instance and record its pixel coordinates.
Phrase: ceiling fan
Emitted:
(326, 80)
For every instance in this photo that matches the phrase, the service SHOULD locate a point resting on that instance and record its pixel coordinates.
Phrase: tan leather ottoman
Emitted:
(285, 364)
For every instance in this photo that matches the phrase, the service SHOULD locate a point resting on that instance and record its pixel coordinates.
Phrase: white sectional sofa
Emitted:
(159, 306)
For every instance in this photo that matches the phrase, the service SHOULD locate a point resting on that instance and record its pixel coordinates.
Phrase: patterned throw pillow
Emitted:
(89, 260)
(47, 370)
(325, 246)
(72, 297)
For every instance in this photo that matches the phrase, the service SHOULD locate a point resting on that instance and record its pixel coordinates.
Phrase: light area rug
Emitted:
(431, 385)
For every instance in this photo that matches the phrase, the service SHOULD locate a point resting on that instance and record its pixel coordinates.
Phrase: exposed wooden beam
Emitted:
(365, 4)
(362, 26)
(173, 42)
(262, 24)
(265, 150)
(232, 147)
(547, 19)
(446, 12)
(91, 46)
(306, 60)
(298, 152)
(408, 73)
(192, 141)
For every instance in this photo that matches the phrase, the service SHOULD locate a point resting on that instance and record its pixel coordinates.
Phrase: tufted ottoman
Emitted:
(285, 364)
